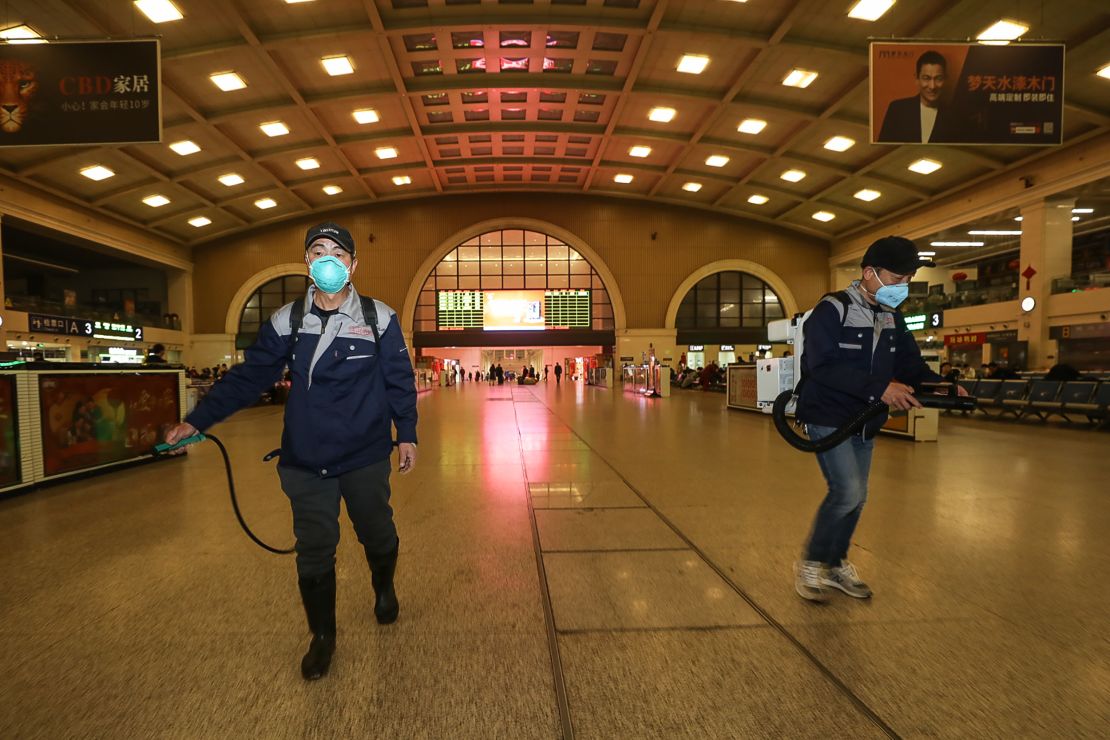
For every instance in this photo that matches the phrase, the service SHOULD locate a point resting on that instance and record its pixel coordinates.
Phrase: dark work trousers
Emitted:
(315, 503)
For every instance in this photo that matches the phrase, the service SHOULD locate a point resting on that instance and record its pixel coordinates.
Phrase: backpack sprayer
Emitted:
(778, 385)
(161, 449)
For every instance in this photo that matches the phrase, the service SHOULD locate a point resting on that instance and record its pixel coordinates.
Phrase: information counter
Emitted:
(59, 420)
(920, 425)
(646, 380)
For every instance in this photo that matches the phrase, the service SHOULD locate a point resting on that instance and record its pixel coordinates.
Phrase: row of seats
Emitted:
(1080, 399)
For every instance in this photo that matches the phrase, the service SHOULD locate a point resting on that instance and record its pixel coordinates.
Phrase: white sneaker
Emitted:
(808, 581)
(846, 578)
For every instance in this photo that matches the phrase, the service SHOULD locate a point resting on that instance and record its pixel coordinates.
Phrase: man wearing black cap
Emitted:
(352, 382)
(856, 350)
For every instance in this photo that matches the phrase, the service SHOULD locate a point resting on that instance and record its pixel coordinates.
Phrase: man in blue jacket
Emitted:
(352, 382)
(856, 351)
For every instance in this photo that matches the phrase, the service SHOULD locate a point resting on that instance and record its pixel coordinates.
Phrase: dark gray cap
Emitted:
(896, 254)
(333, 231)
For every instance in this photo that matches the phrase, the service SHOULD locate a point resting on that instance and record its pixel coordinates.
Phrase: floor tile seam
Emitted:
(603, 550)
(584, 508)
(837, 683)
(663, 630)
(562, 696)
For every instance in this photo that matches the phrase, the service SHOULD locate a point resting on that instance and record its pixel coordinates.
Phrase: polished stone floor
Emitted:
(576, 562)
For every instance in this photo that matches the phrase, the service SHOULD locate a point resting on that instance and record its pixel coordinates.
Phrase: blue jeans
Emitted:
(845, 468)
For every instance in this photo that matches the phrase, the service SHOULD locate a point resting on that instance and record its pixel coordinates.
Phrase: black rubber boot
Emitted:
(382, 568)
(318, 595)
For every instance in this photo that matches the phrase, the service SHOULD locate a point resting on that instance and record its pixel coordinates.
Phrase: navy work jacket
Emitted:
(347, 392)
(849, 359)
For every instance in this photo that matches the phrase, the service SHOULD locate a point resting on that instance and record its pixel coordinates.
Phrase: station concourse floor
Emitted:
(660, 535)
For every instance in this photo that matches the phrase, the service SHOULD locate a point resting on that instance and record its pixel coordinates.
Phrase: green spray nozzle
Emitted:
(160, 449)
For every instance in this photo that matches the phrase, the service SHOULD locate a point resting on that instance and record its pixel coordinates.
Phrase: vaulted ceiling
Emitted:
(540, 96)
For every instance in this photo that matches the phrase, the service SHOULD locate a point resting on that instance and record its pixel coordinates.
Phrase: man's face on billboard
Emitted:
(930, 83)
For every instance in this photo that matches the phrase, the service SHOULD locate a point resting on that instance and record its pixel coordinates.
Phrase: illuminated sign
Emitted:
(84, 327)
(513, 310)
(763, 347)
(697, 348)
(728, 348)
(919, 321)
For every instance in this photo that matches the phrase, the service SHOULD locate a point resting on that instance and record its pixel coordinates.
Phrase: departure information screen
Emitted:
(513, 310)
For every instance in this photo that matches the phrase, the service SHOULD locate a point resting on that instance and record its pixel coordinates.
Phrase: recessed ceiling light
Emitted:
(185, 148)
(716, 160)
(993, 232)
(333, 189)
(840, 144)
(402, 180)
(265, 203)
(228, 81)
(867, 194)
(366, 115)
(870, 10)
(622, 178)
(22, 34)
(1019, 219)
(295, 2)
(159, 11)
(758, 199)
(274, 128)
(308, 163)
(661, 115)
(693, 64)
(199, 221)
(793, 175)
(926, 254)
(231, 179)
(385, 152)
(751, 126)
(692, 187)
(956, 244)
(1075, 218)
(824, 216)
(1104, 71)
(337, 65)
(1083, 210)
(156, 201)
(97, 172)
(925, 166)
(799, 78)
(1002, 32)
(639, 151)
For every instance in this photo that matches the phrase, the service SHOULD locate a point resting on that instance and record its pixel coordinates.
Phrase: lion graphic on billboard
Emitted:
(18, 84)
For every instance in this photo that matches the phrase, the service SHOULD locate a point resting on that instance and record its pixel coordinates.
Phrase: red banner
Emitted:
(959, 340)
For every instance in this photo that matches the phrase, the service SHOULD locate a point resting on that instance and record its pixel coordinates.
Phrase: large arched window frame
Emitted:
(729, 300)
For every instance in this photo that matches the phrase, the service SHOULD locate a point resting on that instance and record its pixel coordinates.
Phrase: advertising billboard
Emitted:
(9, 439)
(513, 310)
(95, 419)
(80, 92)
(966, 93)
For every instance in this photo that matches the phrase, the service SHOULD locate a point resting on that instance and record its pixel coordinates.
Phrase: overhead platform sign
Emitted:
(87, 92)
(966, 93)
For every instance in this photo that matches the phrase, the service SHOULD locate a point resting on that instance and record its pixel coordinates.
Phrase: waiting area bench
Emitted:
(1082, 400)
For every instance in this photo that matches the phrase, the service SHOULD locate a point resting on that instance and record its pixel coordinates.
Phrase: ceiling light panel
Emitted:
(228, 81)
(156, 201)
(265, 203)
(274, 128)
(366, 115)
(925, 166)
(159, 11)
(751, 126)
(661, 115)
(693, 64)
(956, 244)
(385, 152)
(824, 216)
(231, 179)
(692, 187)
(870, 10)
(22, 34)
(308, 163)
(185, 147)
(1104, 72)
(840, 144)
(199, 221)
(97, 172)
(332, 189)
(1003, 32)
(867, 194)
(337, 66)
(716, 160)
(758, 199)
(793, 175)
(994, 232)
(622, 178)
(799, 78)
(640, 151)
(402, 180)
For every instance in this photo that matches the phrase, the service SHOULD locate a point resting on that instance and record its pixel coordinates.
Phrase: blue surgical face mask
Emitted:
(891, 295)
(329, 274)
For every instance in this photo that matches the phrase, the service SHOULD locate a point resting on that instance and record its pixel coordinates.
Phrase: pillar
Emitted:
(1046, 246)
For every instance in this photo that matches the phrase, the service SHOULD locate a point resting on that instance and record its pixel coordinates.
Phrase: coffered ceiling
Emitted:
(456, 96)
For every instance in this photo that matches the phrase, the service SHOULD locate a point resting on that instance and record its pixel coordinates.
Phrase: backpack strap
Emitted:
(369, 313)
(841, 297)
(296, 317)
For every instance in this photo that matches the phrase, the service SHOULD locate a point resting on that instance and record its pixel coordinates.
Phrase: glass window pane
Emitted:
(535, 253)
(595, 280)
(534, 237)
(513, 236)
(427, 298)
(472, 242)
(513, 253)
(774, 311)
(751, 282)
(730, 296)
(535, 281)
(753, 296)
(580, 267)
(732, 321)
(491, 253)
(708, 312)
(250, 316)
(295, 284)
(730, 309)
(491, 268)
(579, 281)
(557, 282)
(468, 283)
(557, 251)
(447, 282)
(535, 267)
(513, 267)
(769, 297)
(572, 254)
(468, 268)
(253, 301)
(558, 267)
(425, 313)
(468, 253)
(707, 283)
(271, 301)
(447, 268)
(491, 283)
(491, 238)
(753, 312)
(730, 280)
(513, 281)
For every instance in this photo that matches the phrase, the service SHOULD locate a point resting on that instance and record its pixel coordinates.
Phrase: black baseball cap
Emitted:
(333, 231)
(896, 254)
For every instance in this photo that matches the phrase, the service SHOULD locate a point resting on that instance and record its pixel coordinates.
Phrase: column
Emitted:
(1046, 245)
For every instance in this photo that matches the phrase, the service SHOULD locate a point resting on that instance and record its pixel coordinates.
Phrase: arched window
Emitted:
(264, 301)
(732, 305)
(513, 259)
